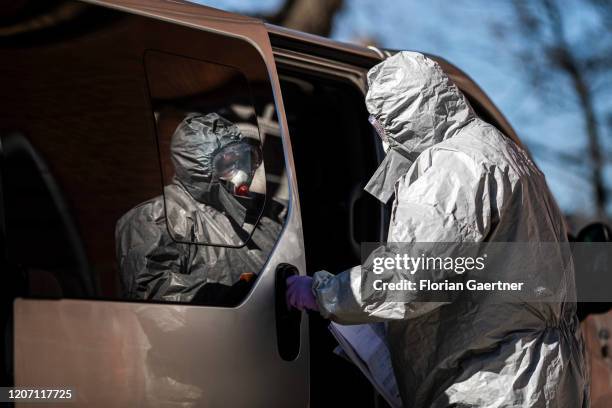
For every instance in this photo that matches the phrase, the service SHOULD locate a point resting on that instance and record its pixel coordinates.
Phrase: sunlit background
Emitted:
(547, 64)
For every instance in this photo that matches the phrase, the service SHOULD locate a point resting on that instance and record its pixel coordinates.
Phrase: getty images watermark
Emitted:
(498, 271)
(459, 265)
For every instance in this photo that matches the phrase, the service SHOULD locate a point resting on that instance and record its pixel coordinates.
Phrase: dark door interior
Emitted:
(335, 153)
(42, 253)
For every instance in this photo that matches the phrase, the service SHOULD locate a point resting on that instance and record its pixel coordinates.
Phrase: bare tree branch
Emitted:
(311, 16)
(543, 25)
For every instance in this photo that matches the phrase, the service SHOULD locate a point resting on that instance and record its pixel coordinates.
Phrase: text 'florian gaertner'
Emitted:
(428, 285)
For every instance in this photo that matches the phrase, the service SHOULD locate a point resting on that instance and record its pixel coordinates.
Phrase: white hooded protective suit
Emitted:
(458, 179)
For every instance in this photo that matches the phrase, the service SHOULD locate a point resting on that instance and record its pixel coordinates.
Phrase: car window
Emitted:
(210, 149)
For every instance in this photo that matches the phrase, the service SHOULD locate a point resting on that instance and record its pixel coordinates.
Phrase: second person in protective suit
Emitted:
(458, 179)
(157, 241)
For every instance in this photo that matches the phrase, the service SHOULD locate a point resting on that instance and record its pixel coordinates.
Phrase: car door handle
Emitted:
(356, 194)
(288, 319)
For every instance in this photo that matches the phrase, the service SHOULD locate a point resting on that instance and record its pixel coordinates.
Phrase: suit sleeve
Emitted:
(146, 254)
(448, 202)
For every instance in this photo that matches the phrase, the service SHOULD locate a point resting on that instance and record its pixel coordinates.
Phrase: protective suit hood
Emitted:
(416, 106)
(194, 144)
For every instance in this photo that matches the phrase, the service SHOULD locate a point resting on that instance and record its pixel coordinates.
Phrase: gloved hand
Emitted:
(299, 293)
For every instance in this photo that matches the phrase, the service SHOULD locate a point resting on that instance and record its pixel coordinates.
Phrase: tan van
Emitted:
(91, 94)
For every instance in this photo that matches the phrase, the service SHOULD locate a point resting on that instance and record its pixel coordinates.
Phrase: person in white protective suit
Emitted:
(459, 179)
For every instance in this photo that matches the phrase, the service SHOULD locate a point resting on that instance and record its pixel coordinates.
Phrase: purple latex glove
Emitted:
(299, 293)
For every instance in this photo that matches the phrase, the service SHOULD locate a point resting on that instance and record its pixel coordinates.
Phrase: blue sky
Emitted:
(462, 32)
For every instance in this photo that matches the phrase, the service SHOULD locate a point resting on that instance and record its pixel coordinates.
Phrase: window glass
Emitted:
(210, 150)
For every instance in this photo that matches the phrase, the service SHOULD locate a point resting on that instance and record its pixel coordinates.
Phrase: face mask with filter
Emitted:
(235, 165)
(380, 131)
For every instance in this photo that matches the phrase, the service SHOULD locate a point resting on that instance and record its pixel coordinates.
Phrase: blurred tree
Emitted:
(311, 16)
(18, 16)
(575, 68)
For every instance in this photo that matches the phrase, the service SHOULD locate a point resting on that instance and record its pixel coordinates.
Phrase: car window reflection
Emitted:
(209, 199)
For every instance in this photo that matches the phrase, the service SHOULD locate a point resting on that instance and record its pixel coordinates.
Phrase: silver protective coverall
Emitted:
(156, 265)
(458, 179)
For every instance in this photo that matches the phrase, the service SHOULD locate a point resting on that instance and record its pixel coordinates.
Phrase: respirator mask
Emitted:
(380, 131)
(235, 165)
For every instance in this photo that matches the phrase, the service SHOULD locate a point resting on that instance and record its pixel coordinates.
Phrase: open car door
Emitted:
(91, 101)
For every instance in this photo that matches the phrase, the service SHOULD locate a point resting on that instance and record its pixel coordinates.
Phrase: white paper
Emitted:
(366, 347)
